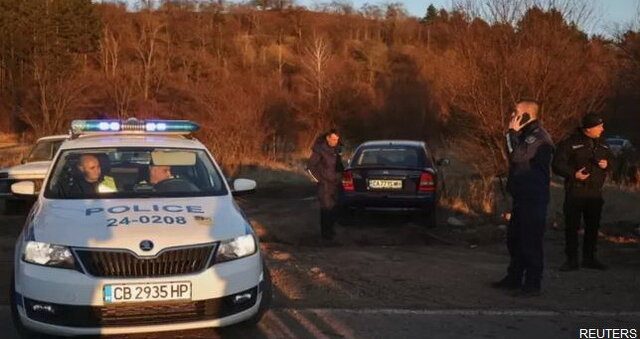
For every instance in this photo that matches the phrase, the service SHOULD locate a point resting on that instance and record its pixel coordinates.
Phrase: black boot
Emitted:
(570, 265)
(593, 263)
(326, 224)
(507, 283)
(529, 289)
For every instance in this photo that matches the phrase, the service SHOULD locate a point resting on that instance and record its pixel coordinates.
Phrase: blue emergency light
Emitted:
(134, 125)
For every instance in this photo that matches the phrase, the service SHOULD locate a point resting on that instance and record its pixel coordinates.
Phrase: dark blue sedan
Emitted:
(392, 175)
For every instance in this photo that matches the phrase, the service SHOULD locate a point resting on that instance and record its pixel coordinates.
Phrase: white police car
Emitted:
(135, 230)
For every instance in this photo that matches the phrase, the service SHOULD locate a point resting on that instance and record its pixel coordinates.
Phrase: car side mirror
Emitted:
(24, 189)
(243, 186)
(443, 162)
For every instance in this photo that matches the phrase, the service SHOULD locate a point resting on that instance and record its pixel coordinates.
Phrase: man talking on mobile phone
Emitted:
(530, 149)
(583, 159)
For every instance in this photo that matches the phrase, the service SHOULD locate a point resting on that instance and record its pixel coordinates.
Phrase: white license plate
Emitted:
(385, 184)
(124, 293)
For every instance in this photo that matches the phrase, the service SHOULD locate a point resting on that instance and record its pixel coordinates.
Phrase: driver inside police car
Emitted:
(92, 180)
(158, 173)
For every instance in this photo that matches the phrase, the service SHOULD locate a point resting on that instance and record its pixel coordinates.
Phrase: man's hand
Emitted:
(582, 176)
(514, 124)
(603, 164)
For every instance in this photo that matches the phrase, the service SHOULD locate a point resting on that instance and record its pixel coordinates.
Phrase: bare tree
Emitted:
(56, 95)
(315, 62)
(150, 36)
(119, 83)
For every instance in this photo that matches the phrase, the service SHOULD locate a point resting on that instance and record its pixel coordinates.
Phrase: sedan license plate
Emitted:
(385, 184)
(124, 293)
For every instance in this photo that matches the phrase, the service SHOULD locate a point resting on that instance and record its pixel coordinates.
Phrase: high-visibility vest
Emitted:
(107, 185)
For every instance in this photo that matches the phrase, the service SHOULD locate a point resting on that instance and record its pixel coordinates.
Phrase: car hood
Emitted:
(124, 223)
(36, 169)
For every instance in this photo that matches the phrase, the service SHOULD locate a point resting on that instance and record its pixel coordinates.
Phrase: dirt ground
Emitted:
(390, 261)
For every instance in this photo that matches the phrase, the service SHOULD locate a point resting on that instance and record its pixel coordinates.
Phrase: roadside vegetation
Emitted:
(264, 78)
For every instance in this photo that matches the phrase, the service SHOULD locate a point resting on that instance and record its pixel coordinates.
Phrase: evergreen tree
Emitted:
(432, 14)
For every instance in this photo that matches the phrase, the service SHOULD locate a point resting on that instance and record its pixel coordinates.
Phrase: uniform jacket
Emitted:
(530, 151)
(580, 151)
(325, 163)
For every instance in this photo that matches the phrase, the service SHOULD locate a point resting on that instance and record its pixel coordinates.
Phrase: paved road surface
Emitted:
(400, 323)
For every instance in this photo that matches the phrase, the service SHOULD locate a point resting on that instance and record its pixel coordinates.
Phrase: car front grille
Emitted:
(125, 264)
(139, 314)
(159, 313)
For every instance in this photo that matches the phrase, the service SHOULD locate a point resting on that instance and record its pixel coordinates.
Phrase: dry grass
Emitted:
(467, 192)
(270, 172)
(9, 138)
(456, 204)
(472, 197)
(11, 156)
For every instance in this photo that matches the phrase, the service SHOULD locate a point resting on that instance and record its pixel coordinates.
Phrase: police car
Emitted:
(135, 230)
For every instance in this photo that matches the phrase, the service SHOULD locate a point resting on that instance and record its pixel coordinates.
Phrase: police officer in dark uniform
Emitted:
(583, 160)
(530, 150)
(325, 165)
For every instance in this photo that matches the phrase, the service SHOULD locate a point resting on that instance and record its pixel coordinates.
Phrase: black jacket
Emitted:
(580, 151)
(530, 152)
(325, 162)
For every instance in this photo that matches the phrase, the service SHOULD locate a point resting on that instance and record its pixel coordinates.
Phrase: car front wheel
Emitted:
(429, 218)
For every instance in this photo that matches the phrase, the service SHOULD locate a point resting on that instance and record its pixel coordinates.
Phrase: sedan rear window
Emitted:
(406, 157)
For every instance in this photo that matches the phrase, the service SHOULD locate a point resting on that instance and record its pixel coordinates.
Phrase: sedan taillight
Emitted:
(427, 183)
(347, 181)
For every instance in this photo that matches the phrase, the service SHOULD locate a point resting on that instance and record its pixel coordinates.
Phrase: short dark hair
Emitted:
(331, 131)
(530, 102)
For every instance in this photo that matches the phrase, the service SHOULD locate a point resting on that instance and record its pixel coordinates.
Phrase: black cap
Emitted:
(591, 120)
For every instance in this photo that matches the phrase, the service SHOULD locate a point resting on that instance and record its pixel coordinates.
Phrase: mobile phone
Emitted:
(525, 118)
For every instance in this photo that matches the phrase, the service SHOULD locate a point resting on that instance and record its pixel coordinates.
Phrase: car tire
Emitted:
(265, 302)
(429, 219)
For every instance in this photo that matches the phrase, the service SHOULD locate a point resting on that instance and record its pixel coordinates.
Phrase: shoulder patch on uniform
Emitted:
(530, 139)
(577, 146)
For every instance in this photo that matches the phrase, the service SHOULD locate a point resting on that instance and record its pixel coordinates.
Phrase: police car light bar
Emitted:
(133, 125)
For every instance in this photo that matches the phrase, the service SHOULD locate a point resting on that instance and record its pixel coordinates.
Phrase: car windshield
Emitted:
(44, 150)
(406, 157)
(132, 172)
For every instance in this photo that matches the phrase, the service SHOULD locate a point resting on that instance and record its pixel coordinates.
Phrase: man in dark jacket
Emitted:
(325, 165)
(583, 160)
(530, 150)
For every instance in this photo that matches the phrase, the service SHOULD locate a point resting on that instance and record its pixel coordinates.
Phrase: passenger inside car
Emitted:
(162, 179)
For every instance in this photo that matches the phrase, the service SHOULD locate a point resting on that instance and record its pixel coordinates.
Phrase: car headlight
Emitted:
(236, 248)
(41, 253)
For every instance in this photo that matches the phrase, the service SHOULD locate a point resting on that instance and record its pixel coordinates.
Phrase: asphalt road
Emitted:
(399, 323)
